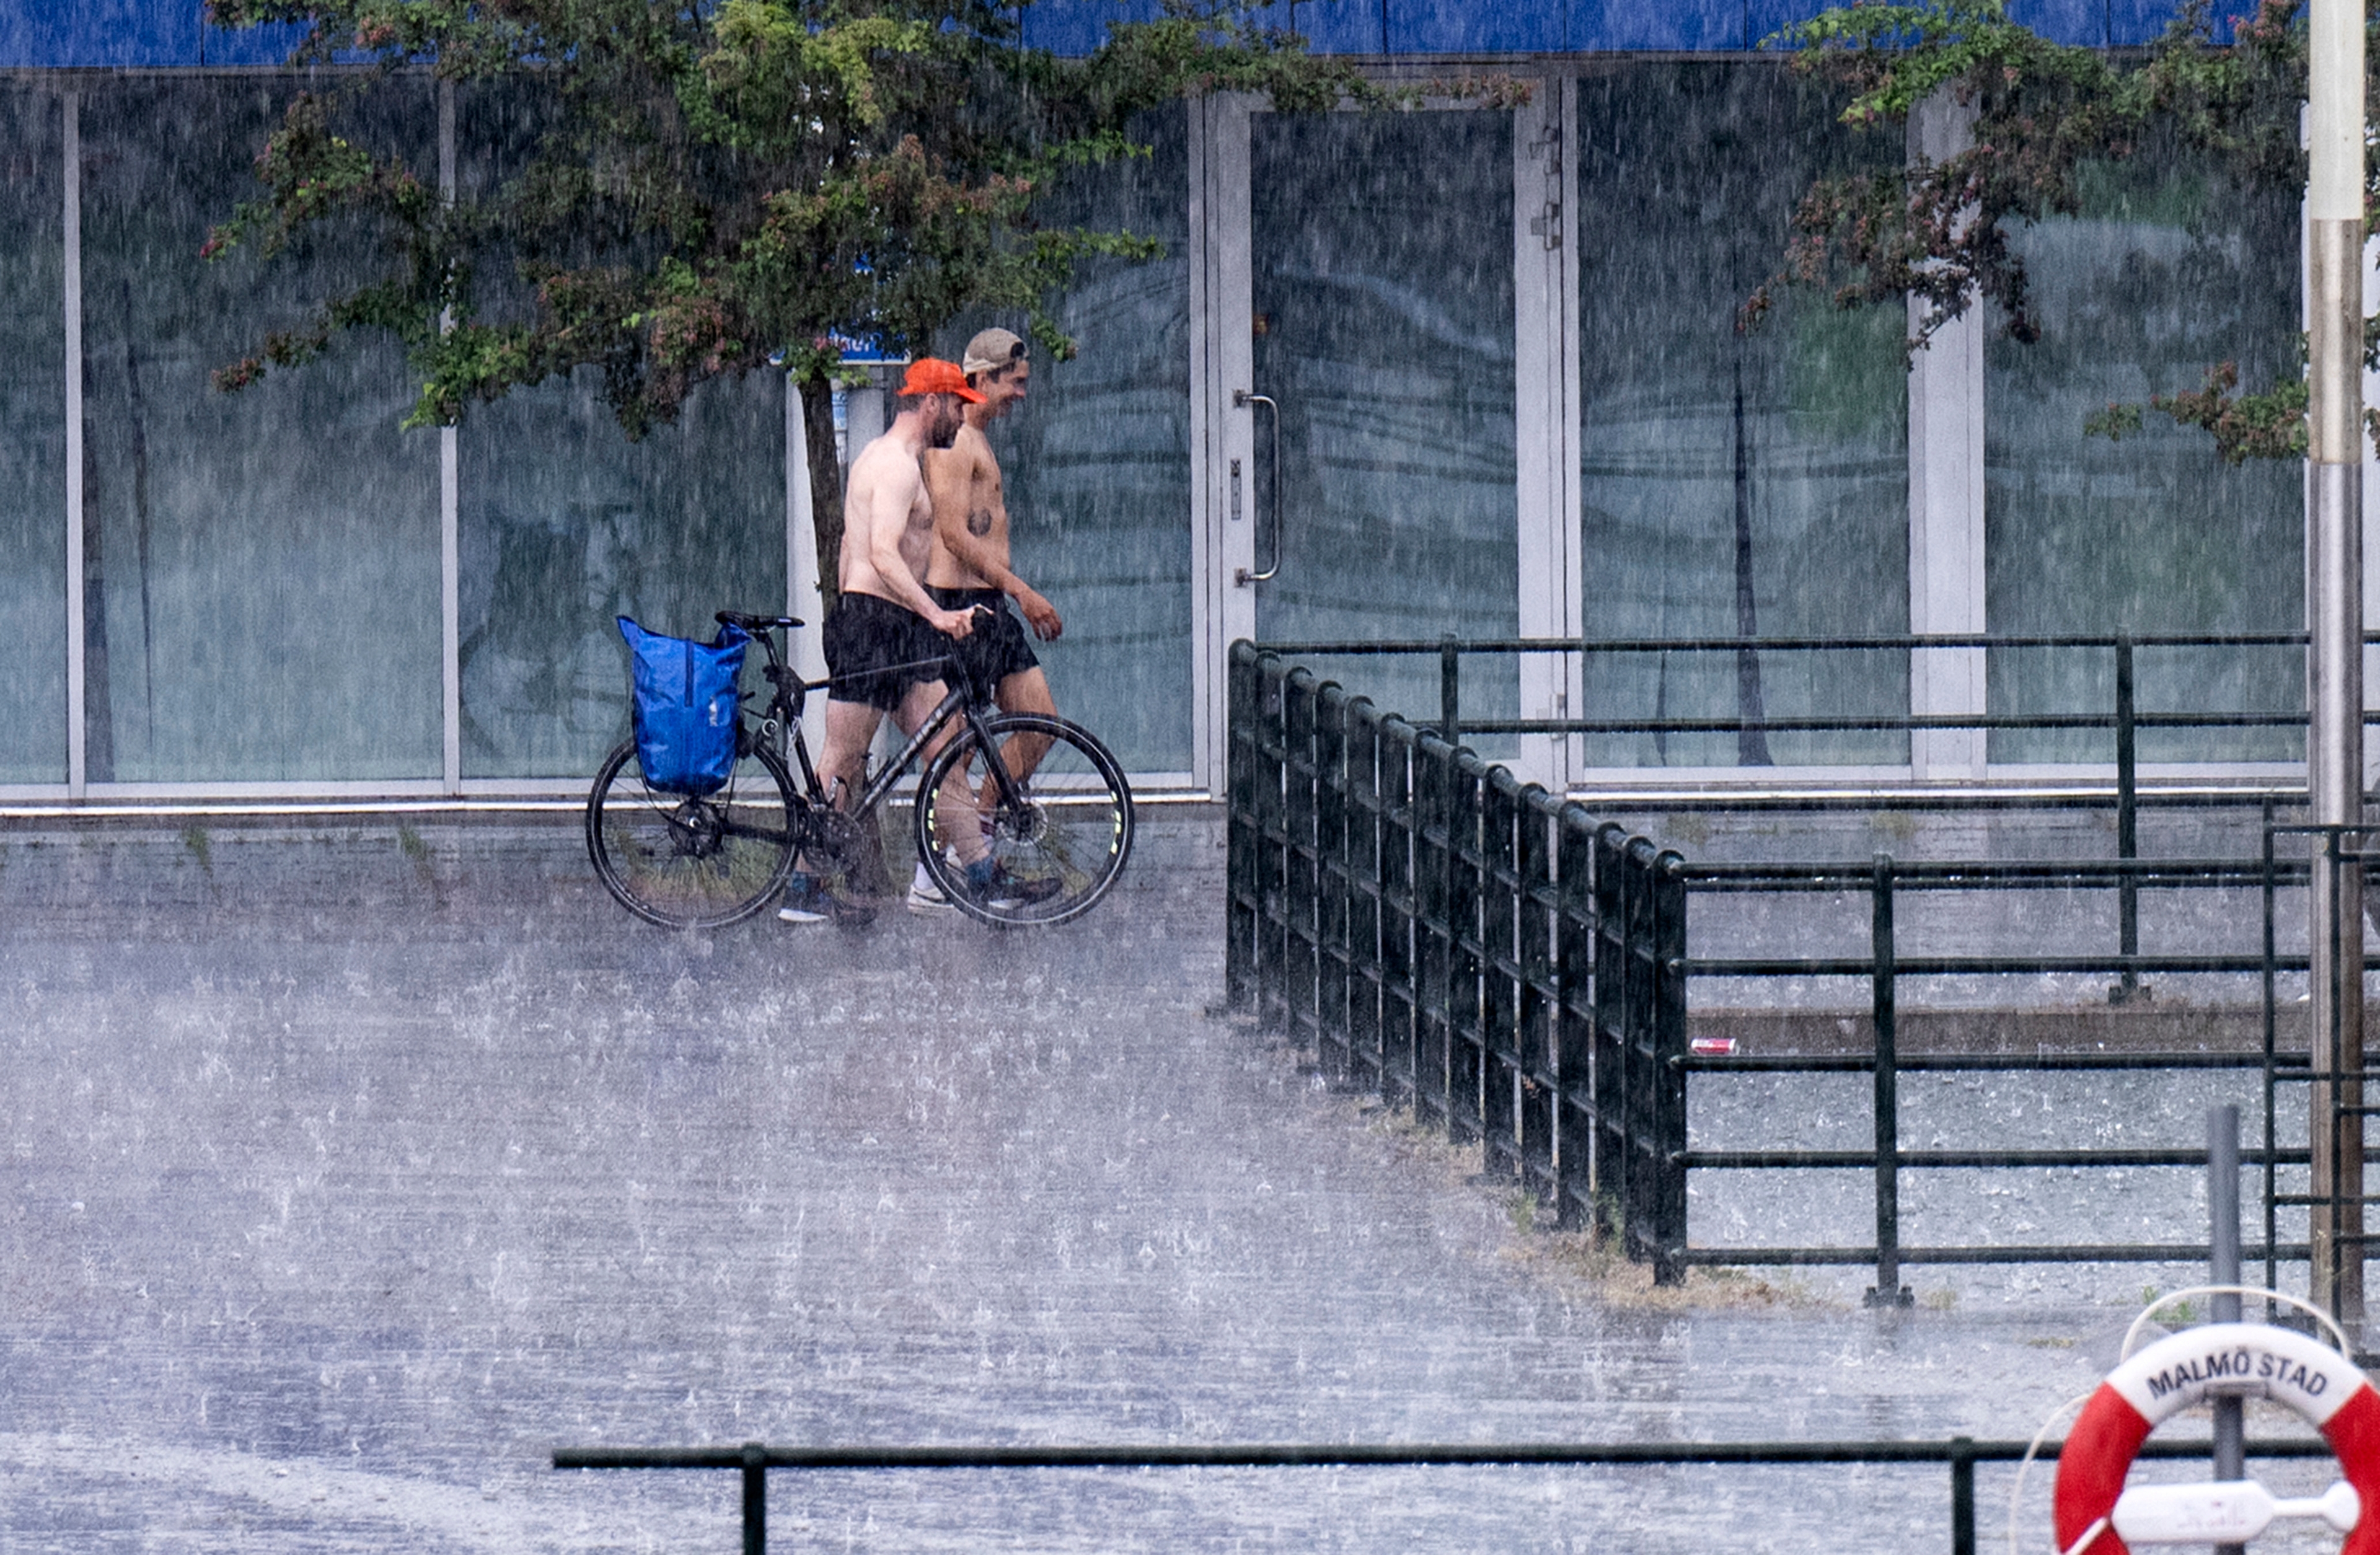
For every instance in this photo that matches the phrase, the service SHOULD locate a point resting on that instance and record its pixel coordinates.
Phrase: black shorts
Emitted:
(876, 650)
(996, 648)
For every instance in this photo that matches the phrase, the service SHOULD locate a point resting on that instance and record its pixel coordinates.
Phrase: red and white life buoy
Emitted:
(2249, 1360)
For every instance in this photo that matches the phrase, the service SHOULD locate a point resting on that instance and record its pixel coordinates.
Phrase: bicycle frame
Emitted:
(786, 711)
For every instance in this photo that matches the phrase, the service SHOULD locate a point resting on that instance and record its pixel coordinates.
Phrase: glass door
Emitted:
(1380, 317)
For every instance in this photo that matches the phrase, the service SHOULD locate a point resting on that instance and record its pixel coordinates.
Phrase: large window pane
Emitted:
(1736, 484)
(1096, 462)
(1383, 277)
(2167, 271)
(262, 568)
(567, 523)
(33, 441)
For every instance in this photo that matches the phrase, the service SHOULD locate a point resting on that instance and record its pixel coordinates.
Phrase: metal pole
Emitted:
(2128, 833)
(2223, 1267)
(756, 1499)
(1450, 692)
(2335, 235)
(1888, 1291)
(1962, 1495)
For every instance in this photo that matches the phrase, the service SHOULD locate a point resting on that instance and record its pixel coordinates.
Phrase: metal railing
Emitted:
(1431, 926)
(753, 1461)
(2123, 718)
(1518, 974)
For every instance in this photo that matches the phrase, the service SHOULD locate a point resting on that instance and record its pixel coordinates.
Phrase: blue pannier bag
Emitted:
(685, 707)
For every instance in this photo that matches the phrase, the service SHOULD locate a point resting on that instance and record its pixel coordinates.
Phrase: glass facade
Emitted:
(1736, 483)
(260, 602)
(1382, 273)
(260, 569)
(1096, 462)
(2164, 271)
(33, 439)
(557, 543)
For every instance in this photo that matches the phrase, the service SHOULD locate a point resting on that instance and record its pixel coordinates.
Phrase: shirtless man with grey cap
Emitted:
(969, 566)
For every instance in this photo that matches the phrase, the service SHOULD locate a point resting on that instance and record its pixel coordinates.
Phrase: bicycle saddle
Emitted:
(755, 623)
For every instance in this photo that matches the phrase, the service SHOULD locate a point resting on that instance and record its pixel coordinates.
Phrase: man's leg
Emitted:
(850, 726)
(954, 810)
(1025, 691)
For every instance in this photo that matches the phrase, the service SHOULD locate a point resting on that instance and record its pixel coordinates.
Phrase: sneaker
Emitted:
(805, 900)
(992, 886)
(926, 898)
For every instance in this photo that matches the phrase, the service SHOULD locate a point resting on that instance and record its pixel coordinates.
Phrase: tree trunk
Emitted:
(826, 485)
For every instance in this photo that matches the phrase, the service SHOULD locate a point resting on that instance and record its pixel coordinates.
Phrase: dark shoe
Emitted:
(805, 900)
(993, 888)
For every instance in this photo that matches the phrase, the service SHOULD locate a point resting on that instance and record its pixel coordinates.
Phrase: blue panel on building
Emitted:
(1336, 25)
(172, 32)
(2145, 21)
(1674, 24)
(1076, 27)
(99, 32)
(1467, 27)
(252, 45)
(1768, 18)
(29, 35)
(2064, 21)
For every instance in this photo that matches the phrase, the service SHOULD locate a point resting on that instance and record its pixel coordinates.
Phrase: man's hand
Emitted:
(952, 622)
(1038, 614)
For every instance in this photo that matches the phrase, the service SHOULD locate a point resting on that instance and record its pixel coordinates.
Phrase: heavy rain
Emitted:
(1254, 1072)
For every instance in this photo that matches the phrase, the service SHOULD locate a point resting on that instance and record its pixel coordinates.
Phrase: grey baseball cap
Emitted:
(990, 350)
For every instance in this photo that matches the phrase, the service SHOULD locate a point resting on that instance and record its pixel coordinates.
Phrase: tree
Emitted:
(1939, 231)
(721, 185)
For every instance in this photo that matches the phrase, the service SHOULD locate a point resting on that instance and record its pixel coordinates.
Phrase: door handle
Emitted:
(1241, 398)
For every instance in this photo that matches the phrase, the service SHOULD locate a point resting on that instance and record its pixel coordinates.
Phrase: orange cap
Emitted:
(931, 375)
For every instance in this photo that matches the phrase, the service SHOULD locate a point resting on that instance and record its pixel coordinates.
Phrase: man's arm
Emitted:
(888, 516)
(949, 480)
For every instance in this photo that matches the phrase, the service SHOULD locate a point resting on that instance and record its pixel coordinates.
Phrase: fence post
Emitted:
(1332, 962)
(1612, 1034)
(1668, 1076)
(756, 1499)
(1450, 691)
(1888, 1291)
(2128, 836)
(1240, 858)
(1577, 1124)
(1962, 1495)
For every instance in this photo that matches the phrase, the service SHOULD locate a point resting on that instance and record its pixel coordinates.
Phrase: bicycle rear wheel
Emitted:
(694, 863)
(1057, 848)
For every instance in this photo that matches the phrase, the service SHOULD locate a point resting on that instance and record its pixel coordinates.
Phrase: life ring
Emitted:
(2248, 1360)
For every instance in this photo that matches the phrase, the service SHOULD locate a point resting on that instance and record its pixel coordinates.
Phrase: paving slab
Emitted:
(353, 1165)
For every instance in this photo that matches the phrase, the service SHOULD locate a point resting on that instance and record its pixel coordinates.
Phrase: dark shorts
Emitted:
(876, 650)
(996, 648)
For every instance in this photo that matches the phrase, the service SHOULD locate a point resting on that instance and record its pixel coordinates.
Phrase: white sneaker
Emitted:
(926, 898)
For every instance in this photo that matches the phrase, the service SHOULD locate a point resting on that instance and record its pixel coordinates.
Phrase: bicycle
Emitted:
(1059, 824)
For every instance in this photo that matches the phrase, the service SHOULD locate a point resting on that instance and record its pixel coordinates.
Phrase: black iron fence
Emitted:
(754, 1460)
(1517, 973)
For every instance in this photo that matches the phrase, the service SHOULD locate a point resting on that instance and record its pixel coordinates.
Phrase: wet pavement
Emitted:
(354, 1166)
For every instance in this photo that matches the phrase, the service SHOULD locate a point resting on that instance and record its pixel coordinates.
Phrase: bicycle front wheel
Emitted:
(1055, 847)
(687, 862)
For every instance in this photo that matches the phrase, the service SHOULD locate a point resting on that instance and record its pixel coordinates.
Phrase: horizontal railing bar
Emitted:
(1861, 1063)
(1953, 965)
(1747, 1161)
(1881, 642)
(1864, 724)
(1363, 1454)
(2116, 1252)
(1918, 875)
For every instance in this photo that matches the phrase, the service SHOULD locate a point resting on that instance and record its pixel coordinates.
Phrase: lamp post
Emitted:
(2335, 655)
